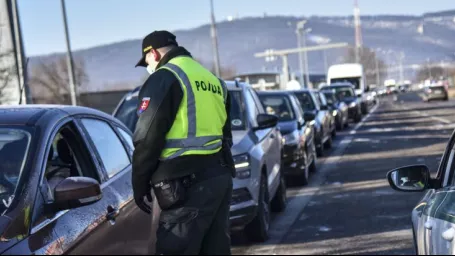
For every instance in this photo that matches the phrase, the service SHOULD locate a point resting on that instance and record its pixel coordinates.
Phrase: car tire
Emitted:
(313, 167)
(334, 132)
(329, 143)
(320, 150)
(258, 230)
(346, 125)
(358, 118)
(279, 202)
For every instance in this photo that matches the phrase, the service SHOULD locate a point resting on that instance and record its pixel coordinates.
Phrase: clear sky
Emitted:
(95, 22)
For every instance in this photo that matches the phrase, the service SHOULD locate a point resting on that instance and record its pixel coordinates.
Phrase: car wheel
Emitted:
(334, 133)
(305, 175)
(258, 229)
(280, 200)
(358, 118)
(320, 150)
(313, 168)
(328, 144)
(346, 125)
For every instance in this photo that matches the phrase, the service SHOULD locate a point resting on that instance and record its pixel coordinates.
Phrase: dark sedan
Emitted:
(65, 184)
(346, 94)
(299, 151)
(315, 108)
(339, 110)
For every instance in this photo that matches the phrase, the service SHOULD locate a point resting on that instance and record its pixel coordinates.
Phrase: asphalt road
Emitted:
(348, 207)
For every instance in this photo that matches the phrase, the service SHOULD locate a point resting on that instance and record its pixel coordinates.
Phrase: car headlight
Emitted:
(353, 104)
(335, 113)
(291, 138)
(242, 166)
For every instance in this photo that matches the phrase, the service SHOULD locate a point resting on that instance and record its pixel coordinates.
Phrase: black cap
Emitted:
(156, 40)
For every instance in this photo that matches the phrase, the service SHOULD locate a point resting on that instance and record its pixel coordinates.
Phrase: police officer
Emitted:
(182, 150)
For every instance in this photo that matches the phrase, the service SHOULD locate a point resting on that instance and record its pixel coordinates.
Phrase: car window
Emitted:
(317, 99)
(306, 101)
(127, 112)
(237, 111)
(257, 101)
(322, 99)
(297, 106)
(14, 146)
(251, 107)
(127, 137)
(278, 105)
(329, 97)
(108, 145)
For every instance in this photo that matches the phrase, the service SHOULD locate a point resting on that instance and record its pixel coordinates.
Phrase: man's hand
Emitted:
(142, 204)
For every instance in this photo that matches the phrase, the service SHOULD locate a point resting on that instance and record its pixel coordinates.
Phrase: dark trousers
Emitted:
(201, 225)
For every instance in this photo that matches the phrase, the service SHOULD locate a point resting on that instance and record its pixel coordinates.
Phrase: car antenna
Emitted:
(21, 91)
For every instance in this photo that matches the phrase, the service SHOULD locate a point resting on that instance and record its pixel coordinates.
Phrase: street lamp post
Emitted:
(300, 26)
(215, 41)
(72, 78)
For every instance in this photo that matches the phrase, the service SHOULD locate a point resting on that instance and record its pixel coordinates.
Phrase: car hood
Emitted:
(349, 100)
(287, 127)
(242, 142)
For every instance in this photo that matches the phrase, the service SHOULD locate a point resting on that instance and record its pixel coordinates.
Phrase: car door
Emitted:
(74, 226)
(106, 234)
(430, 217)
(274, 153)
(443, 235)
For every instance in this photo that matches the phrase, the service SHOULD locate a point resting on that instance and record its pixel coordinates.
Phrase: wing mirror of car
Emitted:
(75, 192)
(415, 178)
(324, 107)
(266, 121)
(309, 116)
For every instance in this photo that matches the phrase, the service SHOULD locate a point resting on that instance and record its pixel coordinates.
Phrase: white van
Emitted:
(352, 73)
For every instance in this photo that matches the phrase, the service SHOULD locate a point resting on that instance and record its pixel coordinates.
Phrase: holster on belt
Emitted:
(171, 194)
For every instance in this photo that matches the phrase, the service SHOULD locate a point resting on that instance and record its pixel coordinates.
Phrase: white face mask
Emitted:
(150, 69)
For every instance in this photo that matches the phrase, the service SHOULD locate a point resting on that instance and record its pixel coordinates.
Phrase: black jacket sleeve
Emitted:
(164, 93)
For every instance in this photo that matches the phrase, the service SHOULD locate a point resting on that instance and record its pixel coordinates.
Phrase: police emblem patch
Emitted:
(144, 105)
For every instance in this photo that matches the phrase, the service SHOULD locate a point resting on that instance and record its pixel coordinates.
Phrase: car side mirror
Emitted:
(266, 121)
(309, 116)
(415, 178)
(324, 107)
(75, 192)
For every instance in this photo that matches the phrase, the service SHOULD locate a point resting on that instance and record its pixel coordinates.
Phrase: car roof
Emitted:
(30, 114)
(276, 92)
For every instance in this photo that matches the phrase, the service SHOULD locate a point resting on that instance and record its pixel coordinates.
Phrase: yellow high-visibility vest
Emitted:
(198, 126)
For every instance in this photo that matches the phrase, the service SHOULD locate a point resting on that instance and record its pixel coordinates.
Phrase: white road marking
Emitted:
(364, 120)
(283, 222)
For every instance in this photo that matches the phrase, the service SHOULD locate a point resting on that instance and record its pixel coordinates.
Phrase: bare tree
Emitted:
(7, 69)
(49, 80)
(368, 60)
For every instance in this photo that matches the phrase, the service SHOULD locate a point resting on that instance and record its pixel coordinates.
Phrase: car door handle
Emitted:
(429, 225)
(449, 234)
(112, 213)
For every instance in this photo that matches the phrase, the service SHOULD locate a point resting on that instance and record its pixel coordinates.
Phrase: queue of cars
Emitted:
(67, 184)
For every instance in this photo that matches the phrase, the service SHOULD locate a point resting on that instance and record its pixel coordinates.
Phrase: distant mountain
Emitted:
(112, 66)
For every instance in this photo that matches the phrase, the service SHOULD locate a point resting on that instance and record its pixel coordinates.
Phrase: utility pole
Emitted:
(215, 42)
(401, 58)
(378, 79)
(300, 26)
(72, 78)
(358, 31)
(305, 55)
(19, 46)
(285, 72)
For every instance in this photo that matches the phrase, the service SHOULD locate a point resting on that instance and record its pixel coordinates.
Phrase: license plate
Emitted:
(437, 92)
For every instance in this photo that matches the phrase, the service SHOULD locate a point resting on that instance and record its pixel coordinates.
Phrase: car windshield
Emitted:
(330, 96)
(306, 101)
(355, 81)
(14, 144)
(127, 112)
(278, 105)
(344, 92)
(237, 112)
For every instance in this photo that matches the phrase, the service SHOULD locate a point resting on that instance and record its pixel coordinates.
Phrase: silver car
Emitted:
(433, 219)
(259, 187)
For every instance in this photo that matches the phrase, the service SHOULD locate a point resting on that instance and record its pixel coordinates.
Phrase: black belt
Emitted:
(203, 176)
